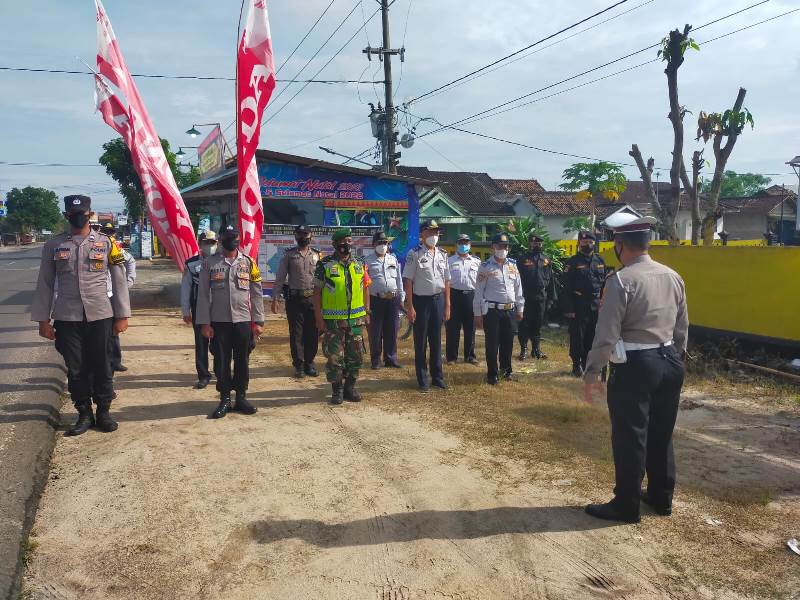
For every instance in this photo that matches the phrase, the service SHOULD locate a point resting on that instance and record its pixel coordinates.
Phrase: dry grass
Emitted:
(540, 421)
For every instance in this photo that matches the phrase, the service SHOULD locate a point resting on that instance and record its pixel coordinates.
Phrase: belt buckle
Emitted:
(308, 293)
(508, 306)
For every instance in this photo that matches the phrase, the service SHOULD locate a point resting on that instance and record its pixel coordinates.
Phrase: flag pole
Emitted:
(236, 117)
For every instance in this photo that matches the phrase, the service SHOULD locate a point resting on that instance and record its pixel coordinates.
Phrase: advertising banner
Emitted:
(211, 153)
(147, 244)
(278, 238)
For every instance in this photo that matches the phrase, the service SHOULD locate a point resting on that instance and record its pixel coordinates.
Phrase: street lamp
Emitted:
(180, 153)
(795, 164)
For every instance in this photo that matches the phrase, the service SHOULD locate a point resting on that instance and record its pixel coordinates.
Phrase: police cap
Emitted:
(500, 238)
(228, 231)
(463, 238)
(429, 224)
(587, 235)
(380, 237)
(302, 229)
(77, 203)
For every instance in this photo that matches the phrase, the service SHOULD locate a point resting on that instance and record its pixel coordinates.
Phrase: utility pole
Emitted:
(389, 134)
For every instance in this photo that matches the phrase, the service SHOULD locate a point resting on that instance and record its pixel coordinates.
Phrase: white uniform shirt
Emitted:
(463, 271)
(501, 284)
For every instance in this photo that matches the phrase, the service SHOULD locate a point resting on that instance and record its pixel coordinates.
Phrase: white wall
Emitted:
(555, 228)
(745, 226)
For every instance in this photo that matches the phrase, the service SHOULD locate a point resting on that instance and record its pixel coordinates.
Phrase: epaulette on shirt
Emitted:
(513, 261)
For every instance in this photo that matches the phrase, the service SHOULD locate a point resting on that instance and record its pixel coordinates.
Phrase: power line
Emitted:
(305, 37)
(330, 135)
(492, 109)
(330, 60)
(403, 45)
(536, 43)
(197, 77)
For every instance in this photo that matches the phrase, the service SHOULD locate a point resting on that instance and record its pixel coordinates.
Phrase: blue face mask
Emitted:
(463, 248)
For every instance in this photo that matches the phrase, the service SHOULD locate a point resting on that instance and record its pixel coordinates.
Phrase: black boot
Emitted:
(310, 370)
(663, 507)
(85, 420)
(336, 393)
(577, 369)
(299, 373)
(103, 420)
(351, 394)
(537, 350)
(615, 511)
(223, 407)
(242, 405)
(523, 353)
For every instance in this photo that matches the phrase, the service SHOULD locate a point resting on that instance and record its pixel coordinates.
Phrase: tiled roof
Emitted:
(560, 204)
(521, 186)
(755, 204)
(777, 190)
(477, 193)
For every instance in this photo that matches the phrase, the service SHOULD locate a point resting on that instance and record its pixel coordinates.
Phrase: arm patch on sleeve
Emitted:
(115, 256)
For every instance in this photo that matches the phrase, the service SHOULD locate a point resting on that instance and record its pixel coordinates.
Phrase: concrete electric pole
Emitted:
(387, 133)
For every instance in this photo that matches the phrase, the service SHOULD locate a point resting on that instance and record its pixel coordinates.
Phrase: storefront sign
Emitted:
(211, 153)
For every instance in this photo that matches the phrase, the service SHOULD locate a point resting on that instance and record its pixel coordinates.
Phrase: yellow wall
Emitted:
(752, 290)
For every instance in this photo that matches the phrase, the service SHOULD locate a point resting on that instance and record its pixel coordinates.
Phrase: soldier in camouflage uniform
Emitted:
(341, 305)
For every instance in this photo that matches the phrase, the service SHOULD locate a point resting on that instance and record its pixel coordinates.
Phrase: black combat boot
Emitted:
(242, 405)
(616, 510)
(223, 407)
(537, 350)
(577, 369)
(523, 353)
(351, 394)
(299, 373)
(85, 420)
(336, 393)
(103, 421)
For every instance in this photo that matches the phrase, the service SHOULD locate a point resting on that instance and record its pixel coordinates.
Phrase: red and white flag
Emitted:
(165, 206)
(255, 82)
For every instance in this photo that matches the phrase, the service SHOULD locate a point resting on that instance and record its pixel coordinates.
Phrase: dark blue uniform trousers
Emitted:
(384, 322)
(428, 333)
(643, 396)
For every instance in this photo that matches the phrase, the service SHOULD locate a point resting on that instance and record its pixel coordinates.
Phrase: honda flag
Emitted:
(255, 80)
(165, 206)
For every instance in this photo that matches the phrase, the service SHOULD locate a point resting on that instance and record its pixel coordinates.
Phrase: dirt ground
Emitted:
(473, 493)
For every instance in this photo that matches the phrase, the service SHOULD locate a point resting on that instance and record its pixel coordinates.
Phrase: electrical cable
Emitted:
(305, 37)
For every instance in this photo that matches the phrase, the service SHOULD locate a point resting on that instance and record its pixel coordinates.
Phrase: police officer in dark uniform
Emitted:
(73, 290)
(642, 329)
(189, 287)
(539, 289)
(498, 305)
(584, 276)
(299, 265)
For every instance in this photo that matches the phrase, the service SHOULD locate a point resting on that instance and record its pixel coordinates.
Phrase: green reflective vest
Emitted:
(343, 290)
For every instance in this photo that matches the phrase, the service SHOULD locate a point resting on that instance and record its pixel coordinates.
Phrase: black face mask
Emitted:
(303, 241)
(78, 220)
(587, 249)
(230, 244)
(344, 249)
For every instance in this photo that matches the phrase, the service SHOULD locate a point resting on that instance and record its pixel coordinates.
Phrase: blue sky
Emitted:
(51, 118)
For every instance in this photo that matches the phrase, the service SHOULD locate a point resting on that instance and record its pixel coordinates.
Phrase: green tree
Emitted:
(591, 180)
(116, 158)
(32, 209)
(519, 229)
(739, 184)
(575, 224)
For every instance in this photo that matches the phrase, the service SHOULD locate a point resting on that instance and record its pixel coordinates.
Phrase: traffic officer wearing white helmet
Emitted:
(642, 329)
(498, 305)
(77, 264)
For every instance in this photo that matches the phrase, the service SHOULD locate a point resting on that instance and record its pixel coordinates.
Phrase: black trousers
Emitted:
(462, 316)
(643, 396)
(84, 346)
(499, 327)
(581, 335)
(530, 329)
(114, 352)
(201, 347)
(232, 342)
(383, 325)
(303, 335)
(428, 335)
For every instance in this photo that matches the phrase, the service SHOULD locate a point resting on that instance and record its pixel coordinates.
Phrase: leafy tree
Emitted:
(519, 229)
(32, 209)
(739, 184)
(116, 158)
(594, 179)
(574, 224)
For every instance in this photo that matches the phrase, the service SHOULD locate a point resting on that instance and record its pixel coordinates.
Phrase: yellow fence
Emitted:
(570, 247)
(744, 289)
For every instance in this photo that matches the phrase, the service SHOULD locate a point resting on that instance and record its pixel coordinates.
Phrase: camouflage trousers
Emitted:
(343, 346)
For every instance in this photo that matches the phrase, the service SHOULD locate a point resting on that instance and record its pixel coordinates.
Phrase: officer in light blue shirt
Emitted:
(463, 276)
(386, 297)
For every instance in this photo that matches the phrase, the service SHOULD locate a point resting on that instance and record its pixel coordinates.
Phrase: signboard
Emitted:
(278, 238)
(211, 153)
(105, 217)
(341, 199)
(3, 211)
(147, 244)
(122, 220)
(204, 224)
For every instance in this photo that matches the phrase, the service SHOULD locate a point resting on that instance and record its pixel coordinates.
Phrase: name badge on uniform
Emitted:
(334, 270)
(217, 275)
(423, 260)
(62, 254)
(358, 269)
(96, 255)
(581, 267)
(99, 245)
(243, 280)
(96, 265)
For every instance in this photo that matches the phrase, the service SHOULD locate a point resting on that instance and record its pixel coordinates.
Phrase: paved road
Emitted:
(31, 381)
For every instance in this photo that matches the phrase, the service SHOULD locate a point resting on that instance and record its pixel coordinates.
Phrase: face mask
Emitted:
(501, 254)
(78, 220)
(381, 249)
(230, 244)
(95, 227)
(344, 249)
(303, 241)
(587, 249)
(432, 240)
(463, 248)
(208, 250)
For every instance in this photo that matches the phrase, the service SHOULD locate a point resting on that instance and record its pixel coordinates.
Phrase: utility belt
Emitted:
(386, 295)
(301, 293)
(434, 296)
(452, 289)
(621, 349)
(500, 306)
